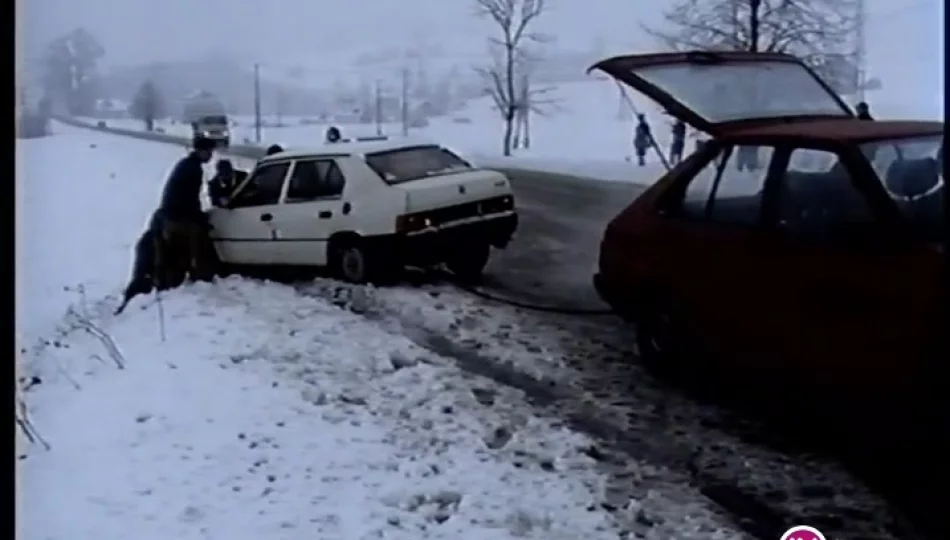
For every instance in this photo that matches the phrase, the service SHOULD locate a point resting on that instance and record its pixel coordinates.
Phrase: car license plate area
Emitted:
(431, 247)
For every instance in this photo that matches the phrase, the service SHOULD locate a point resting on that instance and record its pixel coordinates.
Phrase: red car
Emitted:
(798, 252)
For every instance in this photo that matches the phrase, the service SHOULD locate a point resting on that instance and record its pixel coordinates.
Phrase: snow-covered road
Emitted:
(340, 412)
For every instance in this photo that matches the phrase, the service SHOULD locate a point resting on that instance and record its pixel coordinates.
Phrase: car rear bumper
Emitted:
(432, 246)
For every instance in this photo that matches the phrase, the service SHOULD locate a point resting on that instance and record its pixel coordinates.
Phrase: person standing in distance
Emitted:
(678, 143)
(642, 139)
(182, 222)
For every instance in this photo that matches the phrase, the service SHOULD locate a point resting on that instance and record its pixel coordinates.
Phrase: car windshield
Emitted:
(911, 170)
(406, 164)
(214, 120)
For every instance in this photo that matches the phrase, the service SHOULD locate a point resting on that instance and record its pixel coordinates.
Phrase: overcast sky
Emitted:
(133, 30)
(905, 37)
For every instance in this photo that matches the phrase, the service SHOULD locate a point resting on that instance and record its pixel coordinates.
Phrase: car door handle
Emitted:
(326, 214)
(267, 217)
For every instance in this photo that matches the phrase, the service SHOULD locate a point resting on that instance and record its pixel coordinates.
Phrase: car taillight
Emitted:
(498, 204)
(408, 223)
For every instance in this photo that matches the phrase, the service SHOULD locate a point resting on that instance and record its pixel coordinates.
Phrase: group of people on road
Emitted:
(643, 140)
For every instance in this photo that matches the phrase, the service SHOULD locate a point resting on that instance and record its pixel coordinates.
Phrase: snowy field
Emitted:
(587, 128)
(255, 411)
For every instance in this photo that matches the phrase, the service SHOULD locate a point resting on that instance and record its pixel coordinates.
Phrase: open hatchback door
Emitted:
(718, 91)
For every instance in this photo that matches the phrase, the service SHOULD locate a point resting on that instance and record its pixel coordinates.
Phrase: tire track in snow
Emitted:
(612, 399)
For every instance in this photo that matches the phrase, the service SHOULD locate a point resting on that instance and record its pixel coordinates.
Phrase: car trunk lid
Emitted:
(717, 91)
(438, 191)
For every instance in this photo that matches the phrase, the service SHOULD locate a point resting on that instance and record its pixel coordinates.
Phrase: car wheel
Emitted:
(661, 340)
(354, 262)
(468, 264)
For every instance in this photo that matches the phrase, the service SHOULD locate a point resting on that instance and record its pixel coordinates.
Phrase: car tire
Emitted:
(661, 339)
(354, 262)
(468, 265)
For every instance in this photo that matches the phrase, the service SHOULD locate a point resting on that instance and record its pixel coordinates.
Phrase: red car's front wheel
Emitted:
(661, 339)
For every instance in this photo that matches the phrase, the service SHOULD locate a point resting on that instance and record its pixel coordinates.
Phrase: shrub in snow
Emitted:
(32, 125)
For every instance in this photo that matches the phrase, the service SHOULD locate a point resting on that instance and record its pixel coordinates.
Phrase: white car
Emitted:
(366, 209)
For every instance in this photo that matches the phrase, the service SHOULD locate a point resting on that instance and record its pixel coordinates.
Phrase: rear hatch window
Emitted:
(407, 164)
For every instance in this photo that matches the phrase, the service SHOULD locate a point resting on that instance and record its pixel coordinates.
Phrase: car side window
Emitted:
(699, 190)
(816, 200)
(737, 197)
(315, 179)
(333, 179)
(263, 188)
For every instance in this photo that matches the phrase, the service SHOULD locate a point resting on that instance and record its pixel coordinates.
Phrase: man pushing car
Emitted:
(175, 245)
(181, 222)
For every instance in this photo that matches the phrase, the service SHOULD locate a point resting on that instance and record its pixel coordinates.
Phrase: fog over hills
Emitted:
(307, 43)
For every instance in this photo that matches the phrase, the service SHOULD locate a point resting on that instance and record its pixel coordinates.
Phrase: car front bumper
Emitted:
(432, 245)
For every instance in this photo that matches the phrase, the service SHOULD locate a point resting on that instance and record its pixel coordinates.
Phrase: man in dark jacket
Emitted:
(144, 270)
(223, 182)
(678, 143)
(864, 111)
(182, 222)
(642, 139)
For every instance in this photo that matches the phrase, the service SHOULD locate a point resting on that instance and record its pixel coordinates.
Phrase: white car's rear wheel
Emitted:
(468, 264)
(353, 264)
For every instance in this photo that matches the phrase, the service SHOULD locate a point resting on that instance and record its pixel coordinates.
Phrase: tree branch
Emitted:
(810, 29)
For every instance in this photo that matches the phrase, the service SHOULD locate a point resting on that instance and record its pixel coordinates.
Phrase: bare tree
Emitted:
(531, 100)
(509, 57)
(820, 32)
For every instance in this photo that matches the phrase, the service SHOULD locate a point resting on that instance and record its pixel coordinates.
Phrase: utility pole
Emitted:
(257, 103)
(861, 48)
(404, 102)
(379, 108)
(526, 111)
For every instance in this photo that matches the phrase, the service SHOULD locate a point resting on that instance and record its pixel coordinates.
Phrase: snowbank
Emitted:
(266, 415)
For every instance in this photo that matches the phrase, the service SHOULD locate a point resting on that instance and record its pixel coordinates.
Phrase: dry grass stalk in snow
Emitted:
(22, 418)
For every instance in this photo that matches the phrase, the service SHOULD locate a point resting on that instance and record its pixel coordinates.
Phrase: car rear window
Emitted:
(407, 164)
